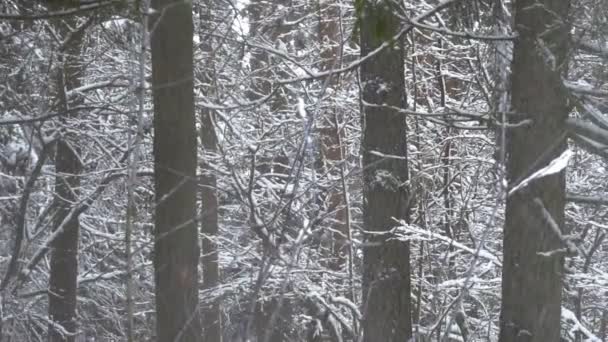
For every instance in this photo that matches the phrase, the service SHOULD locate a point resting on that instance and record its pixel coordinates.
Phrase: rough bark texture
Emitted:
(386, 265)
(532, 284)
(176, 248)
(64, 255)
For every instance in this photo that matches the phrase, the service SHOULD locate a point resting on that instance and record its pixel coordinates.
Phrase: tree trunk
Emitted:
(176, 246)
(332, 150)
(212, 324)
(212, 318)
(532, 283)
(64, 256)
(263, 67)
(603, 334)
(211, 273)
(386, 265)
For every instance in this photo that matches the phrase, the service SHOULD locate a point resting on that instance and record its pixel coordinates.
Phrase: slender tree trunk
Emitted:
(212, 318)
(263, 29)
(64, 255)
(176, 245)
(212, 323)
(386, 264)
(532, 283)
(263, 65)
(603, 334)
(329, 38)
(133, 162)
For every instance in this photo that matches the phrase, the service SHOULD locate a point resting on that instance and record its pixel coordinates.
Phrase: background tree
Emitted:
(386, 262)
(64, 255)
(212, 315)
(330, 131)
(176, 243)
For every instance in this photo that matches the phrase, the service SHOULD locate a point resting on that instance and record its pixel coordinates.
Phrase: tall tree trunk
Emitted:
(176, 245)
(212, 323)
(532, 283)
(64, 256)
(603, 333)
(386, 264)
(329, 39)
(212, 318)
(264, 66)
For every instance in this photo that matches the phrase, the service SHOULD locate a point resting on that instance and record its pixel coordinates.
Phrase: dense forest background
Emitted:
(303, 170)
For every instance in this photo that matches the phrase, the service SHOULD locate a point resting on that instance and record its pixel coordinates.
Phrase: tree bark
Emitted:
(176, 245)
(532, 283)
(64, 256)
(212, 318)
(212, 323)
(332, 150)
(386, 264)
(603, 334)
(265, 25)
(209, 226)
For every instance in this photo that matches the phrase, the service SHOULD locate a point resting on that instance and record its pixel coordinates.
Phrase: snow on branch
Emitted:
(570, 317)
(409, 232)
(555, 166)
(85, 6)
(587, 130)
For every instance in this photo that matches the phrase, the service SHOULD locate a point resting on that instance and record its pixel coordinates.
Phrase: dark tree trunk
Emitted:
(532, 283)
(211, 273)
(386, 264)
(603, 334)
(176, 247)
(212, 324)
(212, 318)
(64, 255)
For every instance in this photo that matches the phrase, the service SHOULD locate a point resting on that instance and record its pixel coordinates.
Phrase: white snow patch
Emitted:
(555, 166)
